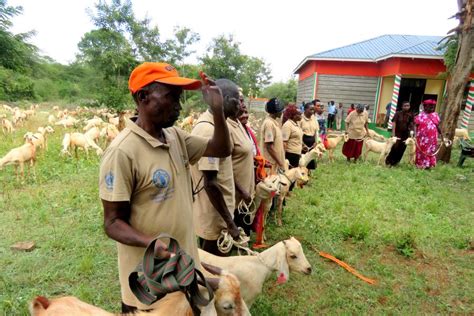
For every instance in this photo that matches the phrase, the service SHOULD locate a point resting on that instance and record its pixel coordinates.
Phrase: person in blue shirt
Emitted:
(332, 110)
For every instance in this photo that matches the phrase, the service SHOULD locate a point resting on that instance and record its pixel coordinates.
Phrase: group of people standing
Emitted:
(156, 178)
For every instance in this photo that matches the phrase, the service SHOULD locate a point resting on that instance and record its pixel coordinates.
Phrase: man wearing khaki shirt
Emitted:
(145, 183)
(214, 180)
(273, 150)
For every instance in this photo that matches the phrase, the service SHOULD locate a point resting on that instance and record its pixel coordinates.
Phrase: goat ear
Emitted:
(212, 269)
(283, 268)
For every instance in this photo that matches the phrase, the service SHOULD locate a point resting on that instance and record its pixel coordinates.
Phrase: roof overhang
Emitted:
(366, 60)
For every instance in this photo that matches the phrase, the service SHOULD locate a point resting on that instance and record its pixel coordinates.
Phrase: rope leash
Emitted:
(158, 276)
(247, 210)
(447, 143)
(225, 242)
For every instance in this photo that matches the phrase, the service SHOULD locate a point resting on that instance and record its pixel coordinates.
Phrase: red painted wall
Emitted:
(306, 71)
(348, 68)
(388, 67)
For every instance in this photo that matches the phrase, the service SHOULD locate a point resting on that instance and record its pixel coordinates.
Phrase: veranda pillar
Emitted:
(393, 106)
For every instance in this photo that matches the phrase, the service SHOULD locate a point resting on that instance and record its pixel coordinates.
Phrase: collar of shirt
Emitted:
(130, 124)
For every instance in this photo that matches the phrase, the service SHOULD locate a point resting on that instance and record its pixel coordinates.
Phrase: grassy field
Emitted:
(410, 230)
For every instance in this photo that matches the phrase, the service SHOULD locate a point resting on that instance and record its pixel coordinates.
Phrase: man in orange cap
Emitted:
(145, 182)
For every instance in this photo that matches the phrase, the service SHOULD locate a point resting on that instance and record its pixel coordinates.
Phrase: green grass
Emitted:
(411, 230)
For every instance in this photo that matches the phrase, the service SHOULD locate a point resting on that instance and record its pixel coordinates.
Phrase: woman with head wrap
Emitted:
(427, 129)
(292, 135)
(310, 128)
(356, 127)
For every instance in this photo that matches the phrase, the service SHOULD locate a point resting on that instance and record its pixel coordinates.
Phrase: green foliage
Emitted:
(406, 245)
(15, 53)
(285, 91)
(15, 86)
(451, 46)
(224, 60)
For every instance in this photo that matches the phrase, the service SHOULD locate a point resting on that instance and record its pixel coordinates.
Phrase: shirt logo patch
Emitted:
(109, 181)
(211, 160)
(161, 179)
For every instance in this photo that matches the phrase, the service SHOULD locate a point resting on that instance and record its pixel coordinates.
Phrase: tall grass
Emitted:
(411, 230)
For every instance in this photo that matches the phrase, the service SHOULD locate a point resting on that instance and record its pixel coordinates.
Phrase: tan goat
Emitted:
(378, 147)
(18, 156)
(332, 142)
(75, 140)
(411, 150)
(374, 135)
(462, 133)
(7, 126)
(227, 302)
(40, 139)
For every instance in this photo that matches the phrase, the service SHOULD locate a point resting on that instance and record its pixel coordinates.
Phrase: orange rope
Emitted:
(347, 267)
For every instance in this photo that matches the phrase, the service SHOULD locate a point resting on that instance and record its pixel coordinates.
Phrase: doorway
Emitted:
(411, 90)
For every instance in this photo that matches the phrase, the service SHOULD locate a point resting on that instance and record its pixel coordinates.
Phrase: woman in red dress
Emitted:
(427, 129)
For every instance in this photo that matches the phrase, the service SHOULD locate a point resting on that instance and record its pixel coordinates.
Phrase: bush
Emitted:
(15, 86)
(406, 245)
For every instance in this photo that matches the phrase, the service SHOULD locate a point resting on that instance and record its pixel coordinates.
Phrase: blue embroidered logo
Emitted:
(161, 179)
(109, 181)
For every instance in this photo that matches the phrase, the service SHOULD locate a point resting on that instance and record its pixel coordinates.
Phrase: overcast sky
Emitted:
(280, 32)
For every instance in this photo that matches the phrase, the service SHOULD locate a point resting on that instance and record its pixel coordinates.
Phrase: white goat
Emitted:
(67, 122)
(94, 122)
(19, 155)
(411, 150)
(109, 132)
(51, 119)
(378, 147)
(316, 152)
(227, 302)
(253, 271)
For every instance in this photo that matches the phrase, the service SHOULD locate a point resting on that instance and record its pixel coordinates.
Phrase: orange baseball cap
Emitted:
(147, 73)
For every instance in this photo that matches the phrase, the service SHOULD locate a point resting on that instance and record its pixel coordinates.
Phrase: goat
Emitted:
(227, 302)
(75, 140)
(51, 119)
(93, 133)
(411, 148)
(95, 122)
(67, 122)
(316, 152)
(331, 143)
(109, 132)
(20, 155)
(253, 271)
(40, 139)
(374, 135)
(289, 177)
(378, 147)
(7, 126)
(462, 133)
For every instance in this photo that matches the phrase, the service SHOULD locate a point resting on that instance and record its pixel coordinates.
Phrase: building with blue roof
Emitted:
(365, 72)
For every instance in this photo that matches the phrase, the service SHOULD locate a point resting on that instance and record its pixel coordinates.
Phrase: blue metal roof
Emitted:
(385, 45)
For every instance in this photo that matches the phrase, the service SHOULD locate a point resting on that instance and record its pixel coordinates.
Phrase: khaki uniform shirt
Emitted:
(271, 133)
(309, 126)
(242, 158)
(155, 178)
(356, 121)
(293, 136)
(208, 223)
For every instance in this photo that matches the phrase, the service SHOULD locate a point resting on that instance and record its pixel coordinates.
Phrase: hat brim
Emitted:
(185, 83)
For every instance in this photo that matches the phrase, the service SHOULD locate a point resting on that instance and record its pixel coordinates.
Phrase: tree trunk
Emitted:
(456, 84)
